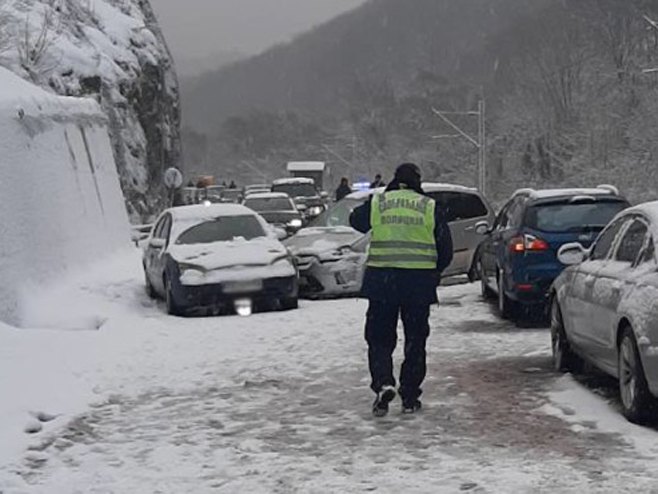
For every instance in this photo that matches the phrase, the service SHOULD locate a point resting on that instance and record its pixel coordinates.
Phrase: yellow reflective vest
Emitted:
(402, 231)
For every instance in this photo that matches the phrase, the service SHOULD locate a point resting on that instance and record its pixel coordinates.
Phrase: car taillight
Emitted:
(528, 243)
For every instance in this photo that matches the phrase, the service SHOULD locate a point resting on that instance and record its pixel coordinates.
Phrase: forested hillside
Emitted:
(570, 94)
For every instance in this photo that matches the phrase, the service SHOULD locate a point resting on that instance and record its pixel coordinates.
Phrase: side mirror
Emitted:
(482, 228)
(302, 208)
(324, 194)
(158, 243)
(571, 254)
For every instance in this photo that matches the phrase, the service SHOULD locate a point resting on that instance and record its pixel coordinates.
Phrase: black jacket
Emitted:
(399, 285)
(342, 191)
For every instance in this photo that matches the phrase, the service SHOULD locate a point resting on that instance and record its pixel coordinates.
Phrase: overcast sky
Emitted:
(199, 28)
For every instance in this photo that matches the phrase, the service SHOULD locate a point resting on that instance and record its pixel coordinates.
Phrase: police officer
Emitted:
(411, 245)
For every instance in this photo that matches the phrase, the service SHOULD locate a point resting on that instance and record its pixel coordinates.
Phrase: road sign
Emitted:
(173, 178)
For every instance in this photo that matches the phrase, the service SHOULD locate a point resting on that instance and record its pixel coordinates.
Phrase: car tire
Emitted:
(487, 292)
(564, 358)
(636, 399)
(150, 291)
(506, 306)
(172, 308)
(288, 303)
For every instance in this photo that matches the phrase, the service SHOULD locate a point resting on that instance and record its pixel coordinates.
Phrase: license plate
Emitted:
(243, 286)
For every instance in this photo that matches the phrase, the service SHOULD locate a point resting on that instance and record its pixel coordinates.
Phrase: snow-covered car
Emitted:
(278, 209)
(604, 308)
(331, 255)
(304, 193)
(214, 256)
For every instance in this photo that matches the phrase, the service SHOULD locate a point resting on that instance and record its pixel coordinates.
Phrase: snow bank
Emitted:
(62, 206)
(114, 51)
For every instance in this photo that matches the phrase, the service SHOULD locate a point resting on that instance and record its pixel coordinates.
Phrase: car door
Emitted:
(611, 283)
(490, 244)
(150, 252)
(466, 210)
(159, 255)
(578, 309)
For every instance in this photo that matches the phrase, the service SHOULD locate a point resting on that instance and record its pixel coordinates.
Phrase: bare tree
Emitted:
(33, 45)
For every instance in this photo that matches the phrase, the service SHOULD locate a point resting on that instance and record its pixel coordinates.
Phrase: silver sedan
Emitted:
(604, 308)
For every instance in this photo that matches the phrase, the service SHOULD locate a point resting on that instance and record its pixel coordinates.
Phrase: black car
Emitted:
(306, 196)
(278, 210)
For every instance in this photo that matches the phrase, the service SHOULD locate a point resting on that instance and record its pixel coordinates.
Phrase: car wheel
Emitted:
(505, 305)
(636, 400)
(487, 293)
(564, 358)
(150, 291)
(172, 308)
(289, 303)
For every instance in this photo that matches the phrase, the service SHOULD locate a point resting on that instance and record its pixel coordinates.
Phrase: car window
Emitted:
(632, 242)
(157, 229)
(269, 204)
(338, 214)
(649, 253)
(223, 229)
(576, 217)
(166, 229)
(503, 219)
(606, 240)
(515, 214)
(459, 205)
(296, 190)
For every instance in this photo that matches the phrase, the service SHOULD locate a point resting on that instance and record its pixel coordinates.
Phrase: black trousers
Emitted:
(381, 335)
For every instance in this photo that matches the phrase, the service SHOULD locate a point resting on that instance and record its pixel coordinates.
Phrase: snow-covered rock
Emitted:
(114, 51)
(62, 206)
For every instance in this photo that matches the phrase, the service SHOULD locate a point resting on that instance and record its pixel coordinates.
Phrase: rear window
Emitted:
(223, 229)
(269, 204)
(296, 190)
(460, 206)
(566, 217)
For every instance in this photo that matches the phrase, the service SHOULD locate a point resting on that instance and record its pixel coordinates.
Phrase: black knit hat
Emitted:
(409, 174)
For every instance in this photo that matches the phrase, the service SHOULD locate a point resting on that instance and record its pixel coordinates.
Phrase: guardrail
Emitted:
(139, 233)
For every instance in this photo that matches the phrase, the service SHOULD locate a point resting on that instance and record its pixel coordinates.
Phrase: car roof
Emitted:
(600, 191)
(201, 211)
(648, 209)
(269, 195)
(294, 181)
(427, 187)
(306, 166)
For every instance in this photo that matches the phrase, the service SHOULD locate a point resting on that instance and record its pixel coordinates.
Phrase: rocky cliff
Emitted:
(113, 51)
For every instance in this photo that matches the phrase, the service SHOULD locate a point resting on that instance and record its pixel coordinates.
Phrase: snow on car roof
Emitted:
(269, 195)
(602, 190)
(294, 181)
(439, 187)
(306, 166)
(427, 187)
(649, 209)
(202, 212)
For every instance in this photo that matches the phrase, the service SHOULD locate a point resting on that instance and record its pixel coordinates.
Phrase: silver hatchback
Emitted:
(605, 308)
(331, 255)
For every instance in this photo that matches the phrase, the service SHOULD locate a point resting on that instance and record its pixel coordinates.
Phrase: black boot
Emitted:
(384, 397)
(409, 408)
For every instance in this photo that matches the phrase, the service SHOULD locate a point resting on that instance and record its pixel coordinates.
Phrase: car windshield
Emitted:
(269, 204)
(296, 190)
(223, 229)
(573, 217)
(339, 214)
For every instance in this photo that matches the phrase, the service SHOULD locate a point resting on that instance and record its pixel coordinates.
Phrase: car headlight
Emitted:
(296, 223)
(190, 268)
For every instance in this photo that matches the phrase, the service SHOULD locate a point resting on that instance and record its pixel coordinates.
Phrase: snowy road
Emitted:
(280, 402)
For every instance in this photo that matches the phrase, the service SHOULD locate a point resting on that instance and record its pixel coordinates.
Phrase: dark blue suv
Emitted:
(517, 262)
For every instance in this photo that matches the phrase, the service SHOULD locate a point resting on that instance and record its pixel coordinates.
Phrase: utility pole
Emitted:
(480, 143)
